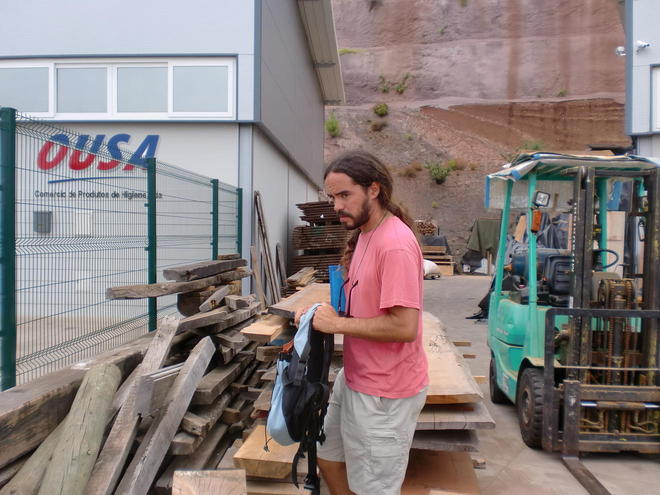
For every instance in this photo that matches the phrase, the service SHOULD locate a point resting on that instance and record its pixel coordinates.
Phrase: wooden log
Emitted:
(267, 328)
(30, 412)
(115, 451)
(80, 441)
(274, 463)
(313, 293)
(166, 288)
(188, 302)
(215, 300)
(203, 269)
(227, 482)
(147, 460)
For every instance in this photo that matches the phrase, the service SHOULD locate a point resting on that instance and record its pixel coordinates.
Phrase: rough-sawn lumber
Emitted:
(203, 269)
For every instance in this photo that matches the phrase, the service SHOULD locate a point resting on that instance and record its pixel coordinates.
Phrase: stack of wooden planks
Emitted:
(126, 420)
(438, 254)
(445, 434)
(322, 241)
(425, 227)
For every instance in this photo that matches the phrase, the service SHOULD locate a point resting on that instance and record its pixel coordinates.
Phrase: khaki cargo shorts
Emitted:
(372, 435)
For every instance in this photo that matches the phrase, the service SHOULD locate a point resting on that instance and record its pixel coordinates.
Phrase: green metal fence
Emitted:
(86, 216)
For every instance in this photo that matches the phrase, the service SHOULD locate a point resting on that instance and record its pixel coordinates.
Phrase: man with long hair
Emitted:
(378, 395)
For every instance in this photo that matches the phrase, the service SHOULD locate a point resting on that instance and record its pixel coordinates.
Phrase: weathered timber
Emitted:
(232, 415)
(28, 413)
(274, 463)
(235, 340)
(256, 275)
(165, 288)
(446, 440)
(115, 451)
(235, 302)
(267, 353)
(7, 473)
(267, 328)
(227, 482)
(80, 440)
(203, 269)
(229, 256)
(28, 479)
(216, 381)
(313, 293)
(204, 319)
(263, 401)
(201, 419)
(215, 299)
(184, 443)
(302, 277)
(143, 468)
(455, 417)
(188, 302)
(234, 318)
(450, 379)
(197, 460)
(161, 382)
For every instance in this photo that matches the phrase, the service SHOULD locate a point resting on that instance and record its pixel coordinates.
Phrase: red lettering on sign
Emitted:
(43, 162)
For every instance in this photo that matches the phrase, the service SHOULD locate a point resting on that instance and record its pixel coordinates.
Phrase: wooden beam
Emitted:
(203, 269)
(184, 443)
(201, 419)
(199, 320)
(313, 293)
(80, 440)
(441, 473)
(256, 275)
(266, 329)
(115, 451)
(188, 302)
(455, 417)
(235, 302)
(450, 379)
(166, 288)
(234, 318)
(446, 440)
(274, 463)
(226, 482)
(215, 300)
(147, 460)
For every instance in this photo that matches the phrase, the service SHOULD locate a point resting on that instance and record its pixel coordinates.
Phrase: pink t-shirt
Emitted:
(386, 271)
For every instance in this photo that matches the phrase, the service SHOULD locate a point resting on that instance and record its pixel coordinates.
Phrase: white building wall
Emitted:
(281, 186)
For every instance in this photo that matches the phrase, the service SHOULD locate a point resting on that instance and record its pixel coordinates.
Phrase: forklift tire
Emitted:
(496, 394)
(529, 402)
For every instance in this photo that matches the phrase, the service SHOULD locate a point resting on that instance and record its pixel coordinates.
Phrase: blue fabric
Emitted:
(276, 423)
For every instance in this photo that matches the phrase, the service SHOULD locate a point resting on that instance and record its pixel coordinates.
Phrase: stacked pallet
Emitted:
(126, 420)
(445, 432)
(426, 227)
(439, 256)
(322, 241)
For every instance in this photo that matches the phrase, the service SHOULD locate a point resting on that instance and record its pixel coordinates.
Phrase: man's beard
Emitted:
(361, 219)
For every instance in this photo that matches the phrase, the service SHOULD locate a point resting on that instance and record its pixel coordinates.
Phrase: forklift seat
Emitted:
(557, 274)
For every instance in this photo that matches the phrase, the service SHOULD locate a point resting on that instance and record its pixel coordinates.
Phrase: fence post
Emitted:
(8, 248)
(151, 239)
(239, 221)
(215, 218)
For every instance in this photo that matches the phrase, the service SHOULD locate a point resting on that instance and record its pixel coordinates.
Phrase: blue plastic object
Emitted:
(337, 296)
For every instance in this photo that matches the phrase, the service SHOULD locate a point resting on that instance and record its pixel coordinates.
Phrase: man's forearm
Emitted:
(383, 328)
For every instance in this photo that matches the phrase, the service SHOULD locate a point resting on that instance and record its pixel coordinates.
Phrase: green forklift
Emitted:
(573, 330)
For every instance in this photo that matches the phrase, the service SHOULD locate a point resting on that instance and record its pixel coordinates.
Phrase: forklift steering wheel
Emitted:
(610, 251)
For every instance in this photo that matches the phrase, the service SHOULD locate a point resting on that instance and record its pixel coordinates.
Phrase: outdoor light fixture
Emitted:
(620, 51)
(641, 45)
(541, 199)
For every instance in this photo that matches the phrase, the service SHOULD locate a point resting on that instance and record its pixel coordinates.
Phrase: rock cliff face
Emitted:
(474, 81)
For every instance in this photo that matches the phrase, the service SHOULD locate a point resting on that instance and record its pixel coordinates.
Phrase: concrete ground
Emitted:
(511, 467)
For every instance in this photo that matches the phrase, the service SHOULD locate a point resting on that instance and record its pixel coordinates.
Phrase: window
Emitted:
(142, 89)
(121, 89)
(25, 88)
(82, 90)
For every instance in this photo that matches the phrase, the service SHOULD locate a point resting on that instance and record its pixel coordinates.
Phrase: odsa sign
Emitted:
(57, 149)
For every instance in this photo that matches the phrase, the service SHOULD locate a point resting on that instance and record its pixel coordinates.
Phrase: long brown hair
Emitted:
(365, 169)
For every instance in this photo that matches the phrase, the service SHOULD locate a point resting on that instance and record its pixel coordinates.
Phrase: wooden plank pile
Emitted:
(445, 433)
(322, 241)
(438, 254)
(302, 278)
(126, 420)
(426, 227)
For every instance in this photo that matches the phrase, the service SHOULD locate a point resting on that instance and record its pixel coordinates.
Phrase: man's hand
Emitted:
(325, 319)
